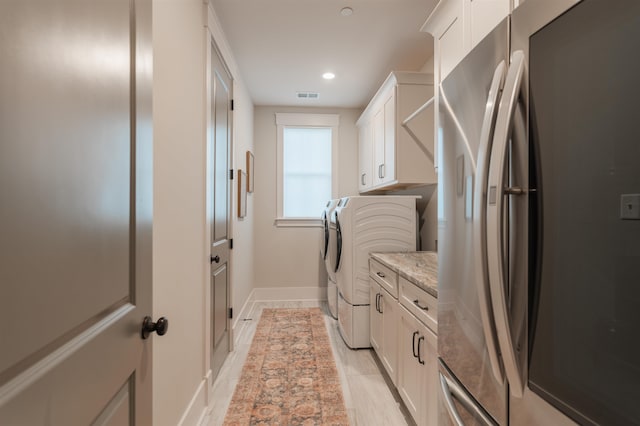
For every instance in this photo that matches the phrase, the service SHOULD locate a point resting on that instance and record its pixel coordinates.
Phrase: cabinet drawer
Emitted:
(384, 276)
(420, 303)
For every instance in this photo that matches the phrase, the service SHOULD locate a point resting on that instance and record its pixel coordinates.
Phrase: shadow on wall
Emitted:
(427, 207)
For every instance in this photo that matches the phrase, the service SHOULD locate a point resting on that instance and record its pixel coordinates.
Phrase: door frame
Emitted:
(209, 44)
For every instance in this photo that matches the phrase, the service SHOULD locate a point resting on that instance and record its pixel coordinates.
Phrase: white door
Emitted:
(219, 200)
(75, 212)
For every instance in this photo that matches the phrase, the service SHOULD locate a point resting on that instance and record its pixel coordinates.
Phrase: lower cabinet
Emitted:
(383, 314)
(402, 334)
(417, 368)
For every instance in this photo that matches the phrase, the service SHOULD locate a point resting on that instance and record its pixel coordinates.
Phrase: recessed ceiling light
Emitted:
(346, 11)
(328, 76)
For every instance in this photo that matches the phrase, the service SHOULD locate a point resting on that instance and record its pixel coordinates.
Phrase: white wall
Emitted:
(242, 270)
(428, 65)
(180, 254)
(179, 208)
(290, 257)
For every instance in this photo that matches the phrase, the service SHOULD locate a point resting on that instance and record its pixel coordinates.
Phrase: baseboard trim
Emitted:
(289, 293)
(197, 408)
(244, 311)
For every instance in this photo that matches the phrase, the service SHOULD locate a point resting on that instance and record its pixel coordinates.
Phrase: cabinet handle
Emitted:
(377, 302)
(381, 171)
(380, 303)
(417, 303)
(420, 360)
(415, 333)
(380, 274)
(362, 179)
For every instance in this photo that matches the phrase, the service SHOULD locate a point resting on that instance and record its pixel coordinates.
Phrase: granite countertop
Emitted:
(419, 267)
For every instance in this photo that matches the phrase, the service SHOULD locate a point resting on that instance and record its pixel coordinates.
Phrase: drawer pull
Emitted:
(417, 303)
(380, 274)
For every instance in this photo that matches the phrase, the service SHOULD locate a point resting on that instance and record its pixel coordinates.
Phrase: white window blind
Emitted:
(306, 171)
(306, 167)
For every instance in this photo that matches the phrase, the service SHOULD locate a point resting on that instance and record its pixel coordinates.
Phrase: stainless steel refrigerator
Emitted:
(539, 227)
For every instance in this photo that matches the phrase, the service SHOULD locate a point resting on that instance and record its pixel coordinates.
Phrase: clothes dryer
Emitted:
(359, 226)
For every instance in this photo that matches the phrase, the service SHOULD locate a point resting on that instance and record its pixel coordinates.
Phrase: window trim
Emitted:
(298, 120)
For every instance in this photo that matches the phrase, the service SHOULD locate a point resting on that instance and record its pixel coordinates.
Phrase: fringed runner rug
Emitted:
(290, 376)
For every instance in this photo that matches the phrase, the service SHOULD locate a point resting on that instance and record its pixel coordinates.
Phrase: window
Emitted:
(307, 150)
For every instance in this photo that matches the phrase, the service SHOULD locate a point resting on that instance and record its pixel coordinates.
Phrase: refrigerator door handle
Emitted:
(479, 220)
(495, 222)
(450, 390)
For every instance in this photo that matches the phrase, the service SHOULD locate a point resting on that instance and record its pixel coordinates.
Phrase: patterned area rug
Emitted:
(290, 376)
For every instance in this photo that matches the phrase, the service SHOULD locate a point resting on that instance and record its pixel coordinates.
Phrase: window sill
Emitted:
(298, 222)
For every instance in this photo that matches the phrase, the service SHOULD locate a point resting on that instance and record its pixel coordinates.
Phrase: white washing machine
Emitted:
(325, 248)
(362, 225)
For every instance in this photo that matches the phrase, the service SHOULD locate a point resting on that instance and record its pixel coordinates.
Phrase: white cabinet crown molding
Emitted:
(394, 78)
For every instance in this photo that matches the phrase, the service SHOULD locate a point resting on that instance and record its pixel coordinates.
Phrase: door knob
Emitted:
(148, 326)
(215, 259)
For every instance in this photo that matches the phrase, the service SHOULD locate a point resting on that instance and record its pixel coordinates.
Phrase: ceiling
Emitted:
(284, 46)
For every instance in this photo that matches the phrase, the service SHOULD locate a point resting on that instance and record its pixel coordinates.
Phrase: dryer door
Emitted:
(324, 244)
(331, 258)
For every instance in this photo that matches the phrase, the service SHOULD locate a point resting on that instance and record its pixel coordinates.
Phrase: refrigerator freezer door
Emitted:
(462, 341)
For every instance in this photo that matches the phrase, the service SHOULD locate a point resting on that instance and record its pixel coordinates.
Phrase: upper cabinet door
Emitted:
(365, 156)
(378, 147)
(485, 15)
(396, 134)
(388, 172)
(450, 47)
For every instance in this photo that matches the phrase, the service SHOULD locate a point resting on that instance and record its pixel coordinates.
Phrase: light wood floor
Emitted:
(368, 398)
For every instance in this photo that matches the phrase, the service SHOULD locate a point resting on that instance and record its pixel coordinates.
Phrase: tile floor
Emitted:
(368, 398)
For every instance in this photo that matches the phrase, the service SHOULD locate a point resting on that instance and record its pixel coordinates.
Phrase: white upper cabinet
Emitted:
(365, 156)
(458, 25)
(483, 16)
(396, 134)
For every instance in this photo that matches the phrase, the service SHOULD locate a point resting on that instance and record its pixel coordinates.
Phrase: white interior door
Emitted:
(75, 212)
(218, 167)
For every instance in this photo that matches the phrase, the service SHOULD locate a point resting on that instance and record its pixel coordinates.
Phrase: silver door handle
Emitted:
(451, 390)
(495, 222)
(362, 179)
(381, 171)
(479, 220)
(451, 407)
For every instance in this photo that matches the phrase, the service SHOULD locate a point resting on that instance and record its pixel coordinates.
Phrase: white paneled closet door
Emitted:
(76, 210)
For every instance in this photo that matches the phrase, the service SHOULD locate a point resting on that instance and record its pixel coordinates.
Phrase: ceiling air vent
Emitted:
(307, 95)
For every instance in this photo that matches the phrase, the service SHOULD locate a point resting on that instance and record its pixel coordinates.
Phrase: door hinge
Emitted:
(231, 104)
(231, 244)
(231, 174)
(230, 313)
